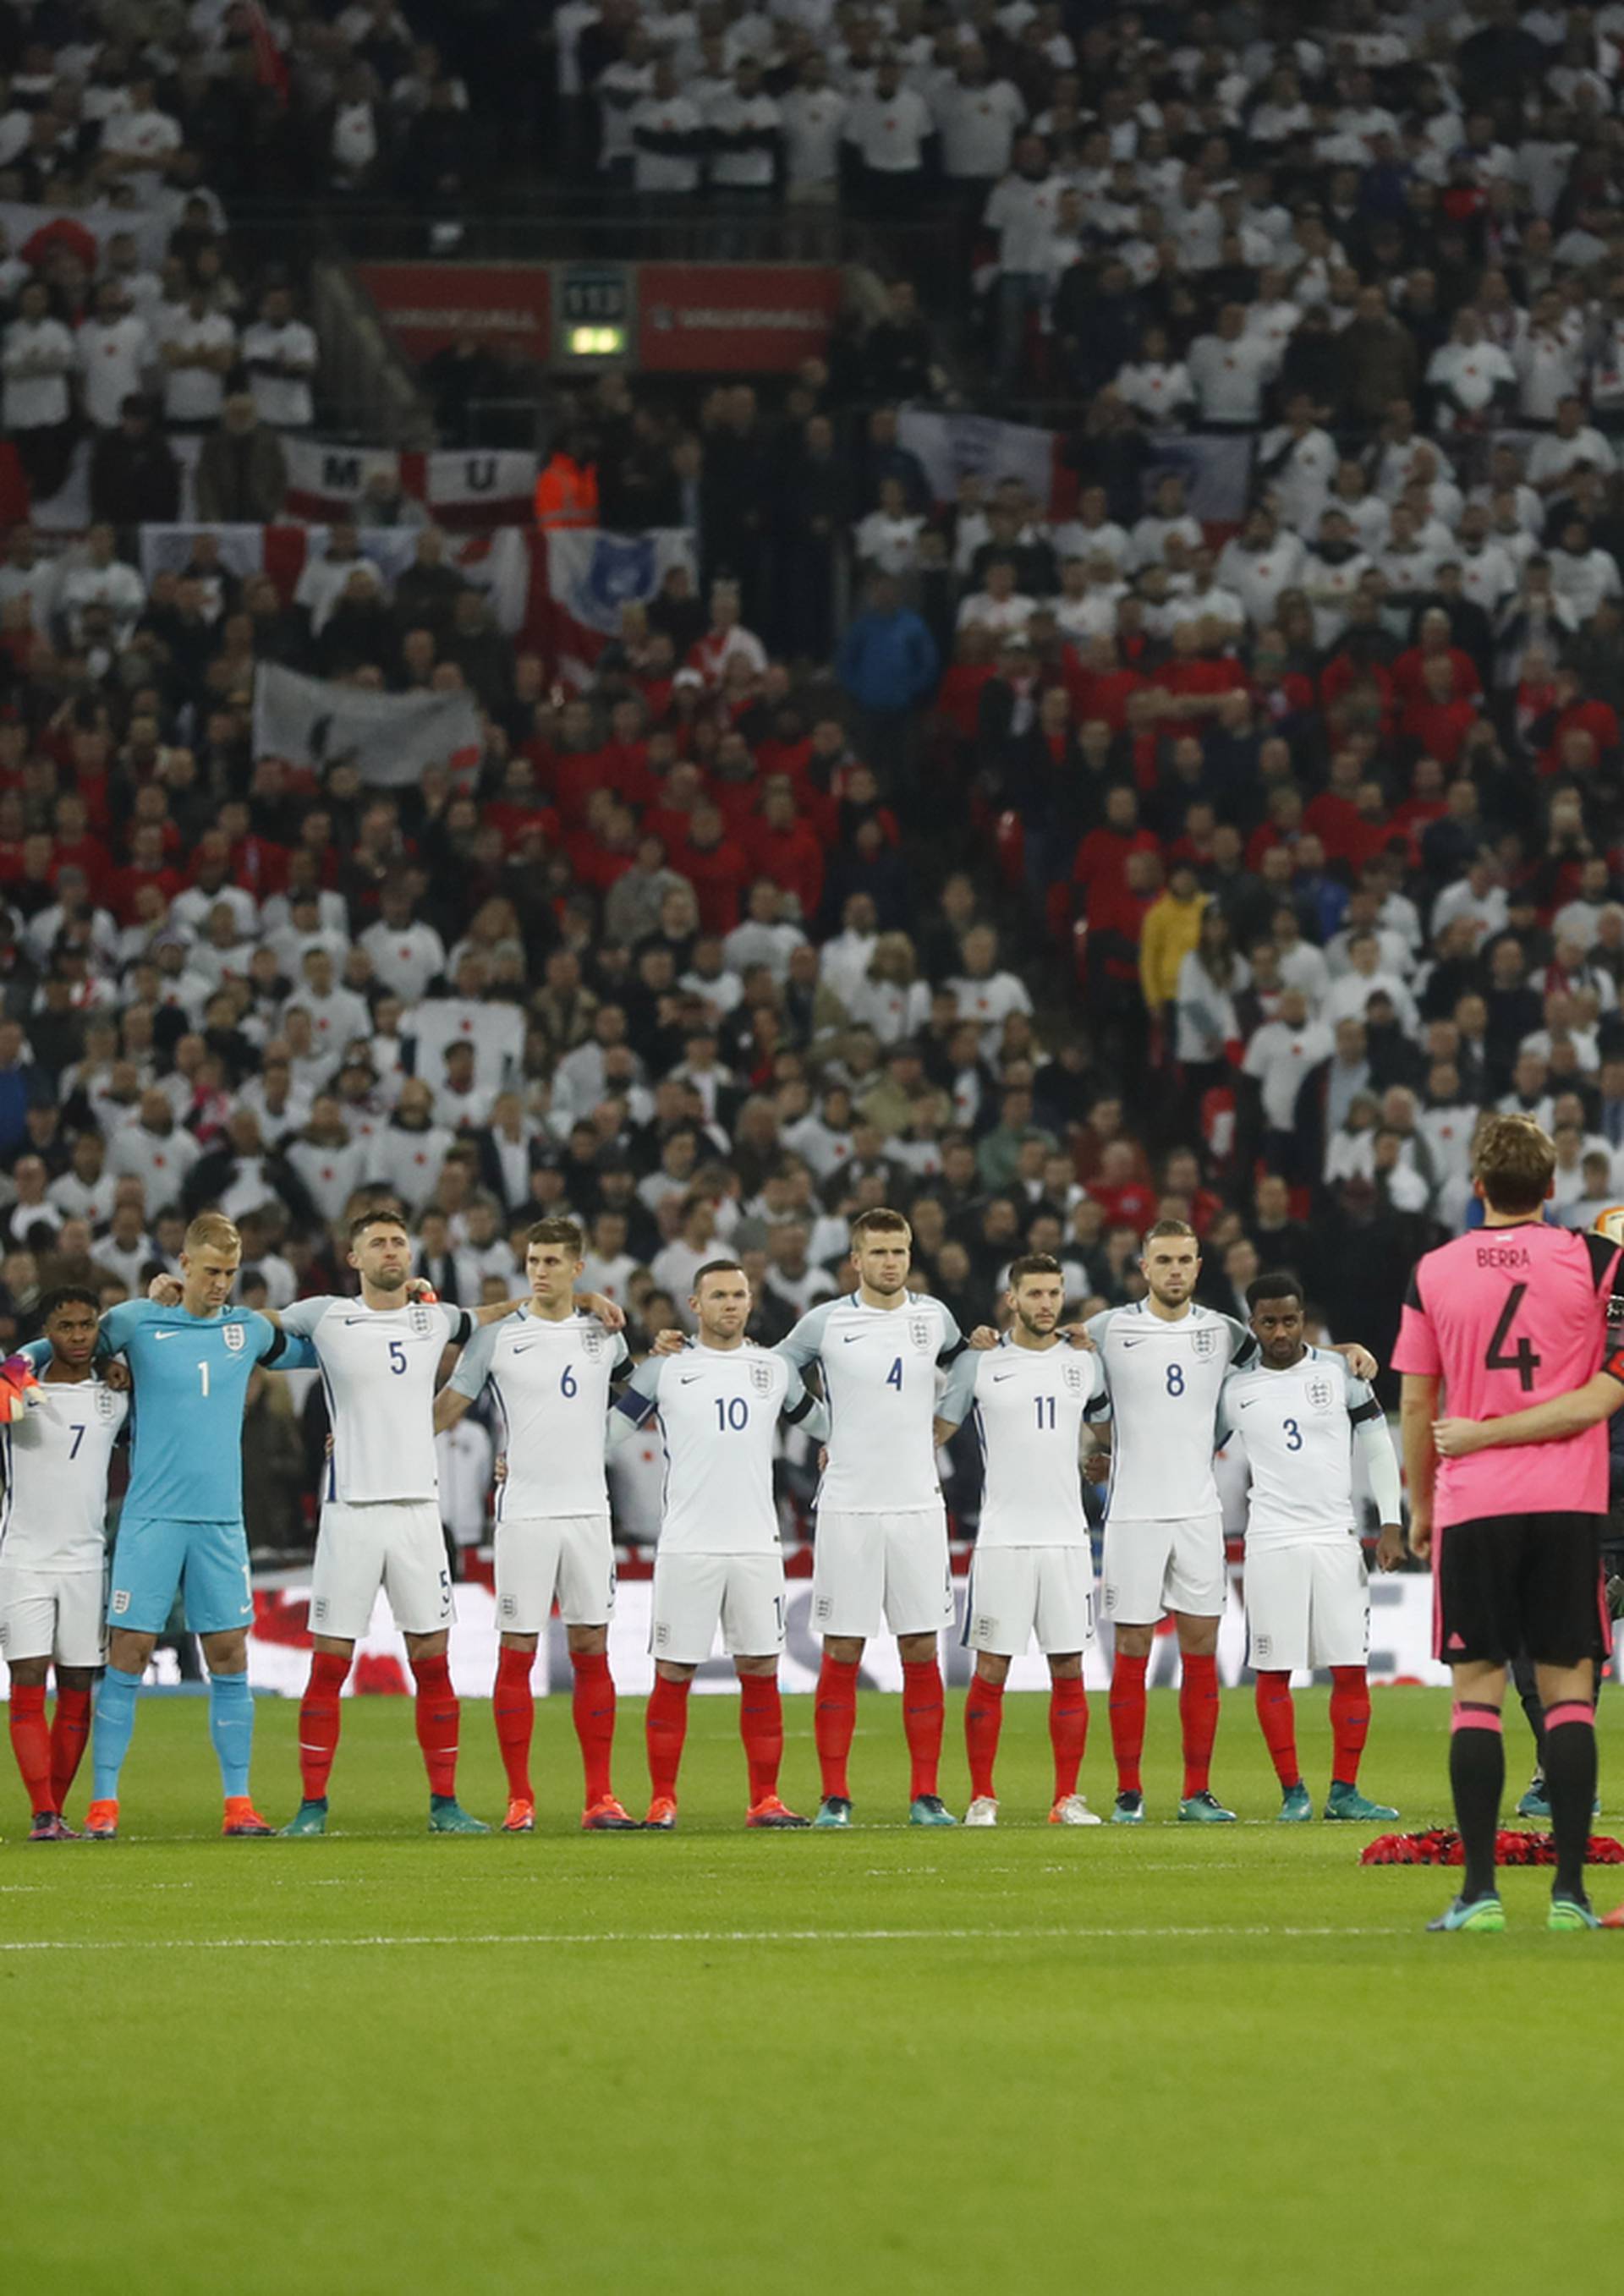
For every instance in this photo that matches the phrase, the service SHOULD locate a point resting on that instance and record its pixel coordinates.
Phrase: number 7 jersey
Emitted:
(1163, 1381)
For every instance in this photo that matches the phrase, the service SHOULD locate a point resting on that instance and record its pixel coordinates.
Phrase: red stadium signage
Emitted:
(760, 319)
(430, 305)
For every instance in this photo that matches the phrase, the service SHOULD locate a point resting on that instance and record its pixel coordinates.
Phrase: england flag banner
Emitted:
(391, 739)
(591, 575)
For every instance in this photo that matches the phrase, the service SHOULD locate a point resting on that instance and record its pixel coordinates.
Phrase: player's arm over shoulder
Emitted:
(804, 1344)
(639, 1398)
(802, 1408)
(279, 1348)
(467, 1382)
(1555, 1422)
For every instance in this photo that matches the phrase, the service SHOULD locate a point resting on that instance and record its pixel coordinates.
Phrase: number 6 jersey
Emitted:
(1163, 1381)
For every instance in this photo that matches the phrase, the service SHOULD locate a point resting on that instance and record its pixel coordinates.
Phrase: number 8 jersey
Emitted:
(1163, 1381)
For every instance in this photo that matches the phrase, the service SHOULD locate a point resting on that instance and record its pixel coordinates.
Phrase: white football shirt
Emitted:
(1163, 1381)
(379, 1366)
(1296, 1428)
(551, 1384)
(54, 1515)
(718, 1418)
(879, 1369)
(1029, 1404)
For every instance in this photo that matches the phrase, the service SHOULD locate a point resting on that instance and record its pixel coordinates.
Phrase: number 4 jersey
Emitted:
(1163, 1381)
(1508, 1318)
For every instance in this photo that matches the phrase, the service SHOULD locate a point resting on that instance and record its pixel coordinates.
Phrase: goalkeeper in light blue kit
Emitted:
(181, 1528)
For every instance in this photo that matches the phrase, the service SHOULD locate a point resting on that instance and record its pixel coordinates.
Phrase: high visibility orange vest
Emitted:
(566, 493)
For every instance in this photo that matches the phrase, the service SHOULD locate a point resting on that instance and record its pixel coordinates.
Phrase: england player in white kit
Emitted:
(1164, 1360)
(882, 1550)
(1033, 1571)
(1298, 1414)
(549, 1371)
(720, 1560)
(54, 1555)
(380, 1526)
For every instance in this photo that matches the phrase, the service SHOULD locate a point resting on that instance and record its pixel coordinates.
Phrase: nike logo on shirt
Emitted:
(688, 1378)
(168, 1335)
(851, 1339)
(999, 1377)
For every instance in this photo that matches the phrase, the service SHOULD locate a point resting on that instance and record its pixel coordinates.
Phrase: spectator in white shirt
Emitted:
(1580, 574)
(36, 358)
(1229, 370)
(279, 354)
(745, 130)
(1169, 516)
(1022, 208)
(893, 134)
(1259, 564)
(1573, 444)
(668, 135)
(1298, 461)
(815, 117)
(999, 606)
(1468, 375)
(1548, 361)
(887, 539)
(977, 118)
(986, 993)
(139, 142)
(115, 351)
(197, 347)
(1156, 385)
(103, 580)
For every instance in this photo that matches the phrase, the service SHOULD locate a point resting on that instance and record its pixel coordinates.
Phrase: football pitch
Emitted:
(1174, 2058)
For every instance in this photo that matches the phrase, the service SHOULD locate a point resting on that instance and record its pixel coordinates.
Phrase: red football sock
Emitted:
(318, 1723)
(834, 1718)
(31, 1742)
(983, 1720)
(1127, 1720)
(1350, 1723)
(923, 1713)
(761, 1728)
(1277, 1720)
(1067, 1731)
(1198, 1717)
(70, 1735)
(594, 1710)
(512, 1708)
(438, 1717)
(665, 1727)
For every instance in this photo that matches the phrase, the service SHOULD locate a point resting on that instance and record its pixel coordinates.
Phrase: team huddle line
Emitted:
(879, 1378)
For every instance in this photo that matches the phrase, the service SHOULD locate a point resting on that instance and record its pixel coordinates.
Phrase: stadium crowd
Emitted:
(1098, 866)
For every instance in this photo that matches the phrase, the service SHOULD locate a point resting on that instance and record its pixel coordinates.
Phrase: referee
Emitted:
(1511, 1317)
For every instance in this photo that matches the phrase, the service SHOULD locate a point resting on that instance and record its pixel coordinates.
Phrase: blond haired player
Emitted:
(181, 1529)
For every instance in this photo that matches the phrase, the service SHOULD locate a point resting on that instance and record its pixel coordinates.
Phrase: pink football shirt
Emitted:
(1508, 1318)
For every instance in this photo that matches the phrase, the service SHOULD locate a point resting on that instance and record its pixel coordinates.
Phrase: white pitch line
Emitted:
(667, 1936)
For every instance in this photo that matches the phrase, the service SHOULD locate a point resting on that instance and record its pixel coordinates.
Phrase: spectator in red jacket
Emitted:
(717, 869)
(783, 847)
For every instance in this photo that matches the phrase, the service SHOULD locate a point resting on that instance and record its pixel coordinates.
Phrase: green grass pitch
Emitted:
(889, 2061)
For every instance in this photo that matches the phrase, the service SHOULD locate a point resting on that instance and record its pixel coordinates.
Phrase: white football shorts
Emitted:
(1017, 1592)
(695, 1594)
(874, 1571)
(1150, 1568)
(61, 1615)
(1308, 1604)
(395, 1544)
(539, 1556)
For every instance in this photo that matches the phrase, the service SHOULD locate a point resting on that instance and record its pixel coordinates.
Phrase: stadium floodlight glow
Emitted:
(597, 342)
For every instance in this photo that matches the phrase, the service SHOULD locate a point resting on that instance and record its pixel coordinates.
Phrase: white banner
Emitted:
(953, 447)
(390, 738)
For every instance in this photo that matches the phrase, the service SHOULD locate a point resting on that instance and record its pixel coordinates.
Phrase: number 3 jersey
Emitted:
(1029, 1406)
(550, 1381)
(1163, 1381)
(719, 1416)
(378, 1367)
(1296, 1427)
(56, 1461)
